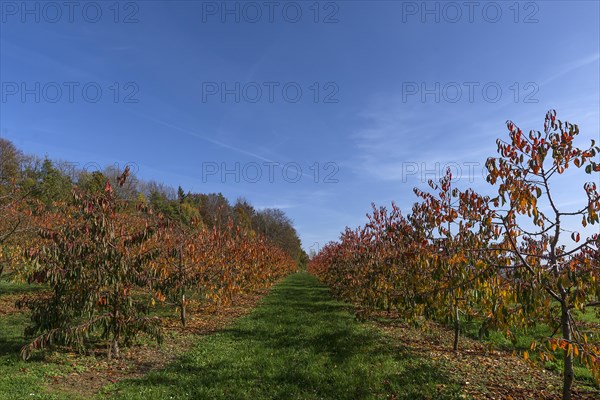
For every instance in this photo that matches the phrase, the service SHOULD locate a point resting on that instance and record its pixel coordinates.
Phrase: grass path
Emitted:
(298, 344)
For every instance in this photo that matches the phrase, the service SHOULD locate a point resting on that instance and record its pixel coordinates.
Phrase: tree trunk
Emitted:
(183, 311)
(568, 373)
(456, 328)
(115, 347)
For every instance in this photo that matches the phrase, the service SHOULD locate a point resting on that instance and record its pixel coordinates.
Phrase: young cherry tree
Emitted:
(549, 262)
(177, 269)
(180, 268)
(93, 263)
(457, 226)
(17, 215)
(10, 221)
(388, 235)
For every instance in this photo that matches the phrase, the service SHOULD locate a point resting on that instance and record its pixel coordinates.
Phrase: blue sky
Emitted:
(379, 110)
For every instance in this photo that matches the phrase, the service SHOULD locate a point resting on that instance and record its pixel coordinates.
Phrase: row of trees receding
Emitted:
(108, 253)
(511, 261)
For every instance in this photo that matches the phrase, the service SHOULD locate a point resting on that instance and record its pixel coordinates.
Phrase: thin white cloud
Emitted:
(209, 140)
(202, 137)
(398, 139)
(572, 66)
(280, 206)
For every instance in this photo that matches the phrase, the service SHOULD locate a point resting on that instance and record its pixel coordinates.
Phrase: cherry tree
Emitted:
(548, 261)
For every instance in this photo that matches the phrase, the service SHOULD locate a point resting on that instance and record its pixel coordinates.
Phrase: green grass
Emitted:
(8, 287)
(18, 379)
(24, 380)
(298, 344)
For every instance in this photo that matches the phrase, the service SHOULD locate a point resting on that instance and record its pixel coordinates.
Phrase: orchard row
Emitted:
(508, 262)
(108, 262)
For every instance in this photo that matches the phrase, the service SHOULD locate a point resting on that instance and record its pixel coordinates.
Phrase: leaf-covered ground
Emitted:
(484, 372)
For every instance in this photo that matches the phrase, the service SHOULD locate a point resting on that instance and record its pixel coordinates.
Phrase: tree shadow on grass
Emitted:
(7, 286)
(299, 344)
(10, 346)
(11, 334)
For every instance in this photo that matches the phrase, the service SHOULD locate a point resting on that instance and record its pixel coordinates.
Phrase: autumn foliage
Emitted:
(510, 260)
(215, 264)
(93, 262)
(108, 259)
(17, 229)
